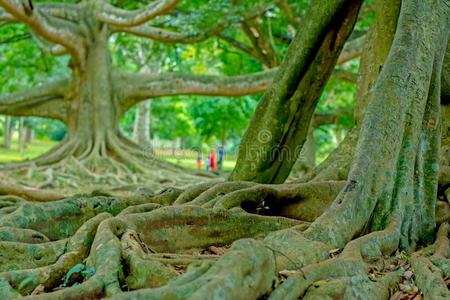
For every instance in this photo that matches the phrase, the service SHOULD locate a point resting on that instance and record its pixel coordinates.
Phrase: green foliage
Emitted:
(23, 63)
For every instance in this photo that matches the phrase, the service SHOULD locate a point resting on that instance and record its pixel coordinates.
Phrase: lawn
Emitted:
(34, 149)
(38, 147)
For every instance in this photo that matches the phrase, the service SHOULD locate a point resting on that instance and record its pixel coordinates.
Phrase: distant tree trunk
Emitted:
(142, 123)
(22, 135)
(29, 134)
(7, 132)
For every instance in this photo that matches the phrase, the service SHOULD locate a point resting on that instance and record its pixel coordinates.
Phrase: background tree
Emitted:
(91, 101)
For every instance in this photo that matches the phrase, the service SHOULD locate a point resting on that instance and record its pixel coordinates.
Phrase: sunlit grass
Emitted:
(39, 147)
(33, 150)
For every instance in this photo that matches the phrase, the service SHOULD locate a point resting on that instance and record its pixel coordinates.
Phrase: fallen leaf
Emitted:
(408, 275)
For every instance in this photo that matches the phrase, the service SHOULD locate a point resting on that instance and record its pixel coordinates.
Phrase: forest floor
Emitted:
(173, 261)
(67, 180)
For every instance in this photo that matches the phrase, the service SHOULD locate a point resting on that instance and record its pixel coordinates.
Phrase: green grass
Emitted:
(34, 149)
(38, 147)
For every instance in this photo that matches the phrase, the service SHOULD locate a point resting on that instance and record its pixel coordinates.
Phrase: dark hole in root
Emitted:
(250, 207)
(37, 236)
(126, 273)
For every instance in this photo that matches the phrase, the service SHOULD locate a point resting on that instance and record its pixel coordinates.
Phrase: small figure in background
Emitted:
(220, 157)
(199, 160)
(207, 163)
(212, 159)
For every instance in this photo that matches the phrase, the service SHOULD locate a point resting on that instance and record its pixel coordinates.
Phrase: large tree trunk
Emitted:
(29, 134)
(93, 103)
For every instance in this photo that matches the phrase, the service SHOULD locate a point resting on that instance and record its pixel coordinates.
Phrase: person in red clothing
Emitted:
(212, 159)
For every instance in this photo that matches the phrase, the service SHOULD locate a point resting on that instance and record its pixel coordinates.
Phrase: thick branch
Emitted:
(134, 88)
(121, 17)
(42, 101)
(138, 87)
(6, 17)
(52, 29)
(65, 11)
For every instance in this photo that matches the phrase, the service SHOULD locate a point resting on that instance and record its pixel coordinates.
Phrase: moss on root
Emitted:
(153, 247)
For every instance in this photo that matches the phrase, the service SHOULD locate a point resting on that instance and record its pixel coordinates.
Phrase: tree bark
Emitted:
(375, 51)
(7, 132)
(307, 158)
(142, 122)
(22, 135)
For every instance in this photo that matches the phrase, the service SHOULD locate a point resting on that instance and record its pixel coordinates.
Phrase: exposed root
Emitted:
(33, 194)
(154, 248)
(62, 232)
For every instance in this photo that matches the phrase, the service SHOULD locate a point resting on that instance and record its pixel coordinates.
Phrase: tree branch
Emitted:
(340, 74)
(121, 17)
(49, 48)
(52, 29)
(239, 45)
(134, 88)
(352, 49)
(6, 17)
(261, 44)
(65, 11)
(328, 118)
(286, 8)
(42, 101)
(173, 37)
(169, 36)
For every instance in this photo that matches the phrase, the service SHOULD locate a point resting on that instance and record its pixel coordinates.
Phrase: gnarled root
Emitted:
(62, 234)
(153, 245)
(77, 164)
